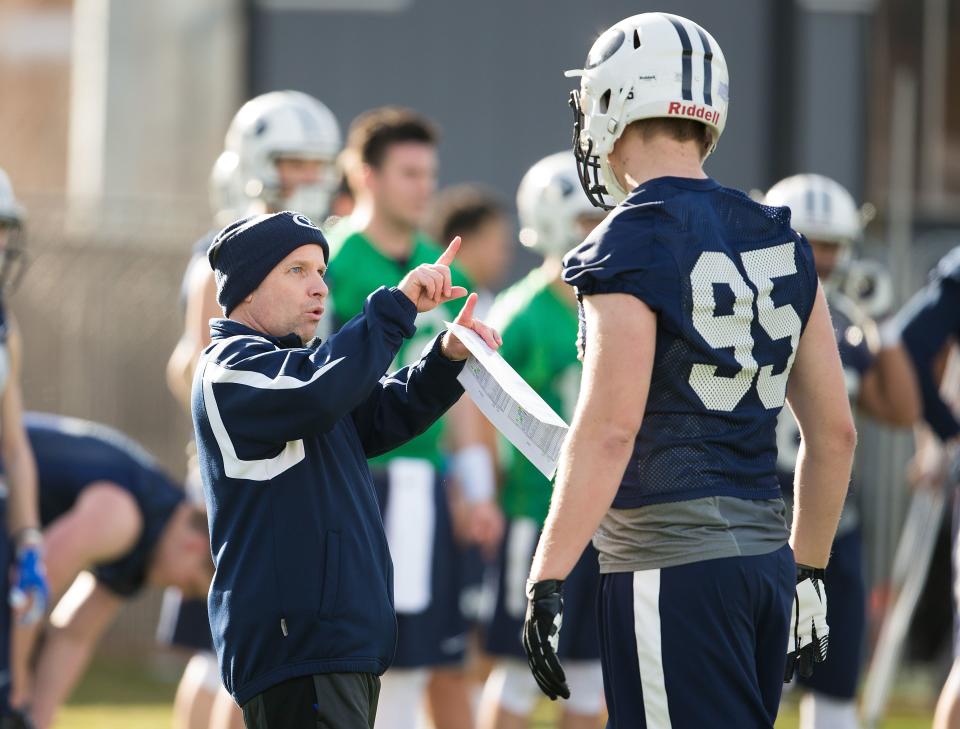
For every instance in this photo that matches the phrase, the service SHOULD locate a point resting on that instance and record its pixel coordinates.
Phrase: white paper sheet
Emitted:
(513, 407)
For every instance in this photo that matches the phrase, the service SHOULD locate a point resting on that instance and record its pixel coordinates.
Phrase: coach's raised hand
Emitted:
(429, 284)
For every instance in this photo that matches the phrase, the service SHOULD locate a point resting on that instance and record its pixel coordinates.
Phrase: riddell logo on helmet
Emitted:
(692, 110)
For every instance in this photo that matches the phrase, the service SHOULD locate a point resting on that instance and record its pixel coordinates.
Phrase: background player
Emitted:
(279, 153)
(880, 383)
(929, 324)
(675, 424)
(391, 162)
(19, 515)
(486, 233)
(537, 318)
(107, 507)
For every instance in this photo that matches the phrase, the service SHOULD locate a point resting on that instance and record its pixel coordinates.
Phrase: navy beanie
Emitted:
(246, 251)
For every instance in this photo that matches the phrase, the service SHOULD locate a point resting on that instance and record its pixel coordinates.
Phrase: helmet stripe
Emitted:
(707, 67)
(687, 58)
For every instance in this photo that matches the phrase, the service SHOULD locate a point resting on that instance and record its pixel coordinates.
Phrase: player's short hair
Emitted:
(680, 130)
(374, 132)
(461, 210)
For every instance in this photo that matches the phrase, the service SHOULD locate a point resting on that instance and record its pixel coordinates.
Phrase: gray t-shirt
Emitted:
(681, 532)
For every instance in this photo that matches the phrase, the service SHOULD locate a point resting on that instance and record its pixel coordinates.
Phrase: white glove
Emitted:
(809, 632)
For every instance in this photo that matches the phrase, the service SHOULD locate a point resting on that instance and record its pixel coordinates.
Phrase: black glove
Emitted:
(541, 634)
(17, 719)
(809, 632)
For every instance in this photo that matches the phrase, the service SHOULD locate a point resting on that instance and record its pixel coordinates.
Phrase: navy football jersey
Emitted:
(926, 322)
(732, 286)
(71, 454)
(198, 257)
(856, 358)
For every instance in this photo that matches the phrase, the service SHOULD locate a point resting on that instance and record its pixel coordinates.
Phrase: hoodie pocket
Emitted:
(331, 574)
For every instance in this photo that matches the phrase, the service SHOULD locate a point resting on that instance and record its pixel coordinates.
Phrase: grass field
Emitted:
(117, 695)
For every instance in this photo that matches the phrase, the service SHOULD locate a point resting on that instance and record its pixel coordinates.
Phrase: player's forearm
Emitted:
(822, 478)
(898, 395)
(21, 475)
(595, 458)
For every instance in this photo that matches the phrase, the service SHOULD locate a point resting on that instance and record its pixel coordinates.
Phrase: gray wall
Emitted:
(491, 74)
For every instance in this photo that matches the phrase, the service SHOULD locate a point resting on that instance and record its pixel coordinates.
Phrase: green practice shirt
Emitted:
(356, 270)
(539, 332)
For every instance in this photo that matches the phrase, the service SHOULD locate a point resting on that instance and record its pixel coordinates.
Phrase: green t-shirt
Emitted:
(356, 270)
(539, 332)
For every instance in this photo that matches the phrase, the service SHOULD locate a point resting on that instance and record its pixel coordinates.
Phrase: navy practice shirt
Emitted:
(732, 286)
(71, 454)
(926, 322)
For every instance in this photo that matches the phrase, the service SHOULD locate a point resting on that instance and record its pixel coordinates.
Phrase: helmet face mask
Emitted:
(588, 164)
(13, 256)
(647, 66)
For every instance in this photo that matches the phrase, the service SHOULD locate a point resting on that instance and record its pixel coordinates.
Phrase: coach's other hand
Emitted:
(541, 635)
(453, 348)
(428, 285)
(809, 632)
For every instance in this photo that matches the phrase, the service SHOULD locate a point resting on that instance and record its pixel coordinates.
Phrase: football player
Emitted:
(279, 153)
(880, 384)
(20, 520)
(538, 322)
(697, 305)
(929, 324)
(113, 523)
(391, 162)
(485, 231)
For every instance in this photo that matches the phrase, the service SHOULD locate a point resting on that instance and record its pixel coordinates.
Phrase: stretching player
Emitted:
(880, 383)
(391, 162)
(537, 318)
(19, 516)
(113, 523)
(280, 153)
(697, 305)
(929, 323)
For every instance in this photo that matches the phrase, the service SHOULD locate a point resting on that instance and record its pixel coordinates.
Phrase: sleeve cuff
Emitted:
(393, 305)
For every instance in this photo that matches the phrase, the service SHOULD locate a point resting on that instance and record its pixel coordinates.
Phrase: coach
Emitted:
(301, 604)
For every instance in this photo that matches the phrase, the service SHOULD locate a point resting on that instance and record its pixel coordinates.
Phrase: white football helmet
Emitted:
(820, 208)
(284, 124)
(12, 254)
(549, 203)
(646, 66)
(227, 201)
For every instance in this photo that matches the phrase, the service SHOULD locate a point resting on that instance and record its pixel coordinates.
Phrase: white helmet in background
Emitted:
(549, 201)
(227, 201)
(646, 66)
(820, 208)
(282, 124)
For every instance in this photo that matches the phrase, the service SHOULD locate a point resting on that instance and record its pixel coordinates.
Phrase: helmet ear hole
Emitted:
(636, 38)
(605, 101)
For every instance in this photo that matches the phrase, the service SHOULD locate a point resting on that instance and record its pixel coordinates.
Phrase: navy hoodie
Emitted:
(304, 581)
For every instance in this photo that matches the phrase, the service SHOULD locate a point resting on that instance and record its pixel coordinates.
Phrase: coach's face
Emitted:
(291, 298)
